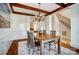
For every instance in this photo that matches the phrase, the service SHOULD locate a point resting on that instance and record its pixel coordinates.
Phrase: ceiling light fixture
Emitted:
(39, 17)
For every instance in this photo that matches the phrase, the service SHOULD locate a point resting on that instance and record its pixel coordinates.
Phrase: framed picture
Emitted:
(4, 16)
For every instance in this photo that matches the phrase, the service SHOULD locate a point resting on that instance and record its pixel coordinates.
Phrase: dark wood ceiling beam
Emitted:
(28, 7)
(69, 4)
(21, 13)
(64, 5)
(61, 4)
(11, 7)
(60, 8)
(54, 11)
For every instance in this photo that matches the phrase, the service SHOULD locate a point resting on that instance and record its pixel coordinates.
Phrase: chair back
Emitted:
(53, 32)
(31, 39)
(44, 32)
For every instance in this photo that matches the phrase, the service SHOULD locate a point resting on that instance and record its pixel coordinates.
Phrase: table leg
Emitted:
(59, 50)
(42, 48)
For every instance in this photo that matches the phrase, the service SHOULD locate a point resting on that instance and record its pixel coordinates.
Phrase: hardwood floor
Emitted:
(13, 50)
(69, 47)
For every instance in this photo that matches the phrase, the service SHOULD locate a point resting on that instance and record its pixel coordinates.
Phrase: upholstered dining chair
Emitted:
(44, 32)
(32, 43)
(53, 41)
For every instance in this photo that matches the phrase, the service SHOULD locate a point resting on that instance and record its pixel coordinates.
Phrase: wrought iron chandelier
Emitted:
(39, 17)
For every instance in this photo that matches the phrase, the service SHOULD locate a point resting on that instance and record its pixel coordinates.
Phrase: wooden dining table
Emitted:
(47, 38)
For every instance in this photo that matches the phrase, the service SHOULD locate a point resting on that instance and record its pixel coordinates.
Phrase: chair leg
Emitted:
(49, 46)
(44, 45)
(29, 50)
(38, 49)
(27, 45)
(55, 45)
(33, 51)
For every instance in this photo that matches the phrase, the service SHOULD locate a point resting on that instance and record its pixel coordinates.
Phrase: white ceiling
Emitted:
(25, 11)
(44, 6)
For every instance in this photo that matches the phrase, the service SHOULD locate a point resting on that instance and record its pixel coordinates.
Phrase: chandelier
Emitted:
(39, 17)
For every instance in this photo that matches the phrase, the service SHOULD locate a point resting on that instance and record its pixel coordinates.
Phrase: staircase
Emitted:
(64, 20)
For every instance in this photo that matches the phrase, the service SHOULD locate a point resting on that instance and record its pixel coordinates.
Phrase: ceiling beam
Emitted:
(60, 8)
(61, 4)
(54, 11)
(11, 7)
(21, 13)
(64, 5)
(69, 4)
(29, 7)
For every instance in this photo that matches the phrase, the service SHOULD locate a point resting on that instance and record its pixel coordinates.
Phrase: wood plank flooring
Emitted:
(13, 50)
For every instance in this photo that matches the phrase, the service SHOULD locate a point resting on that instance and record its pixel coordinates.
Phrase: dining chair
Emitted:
(32, 43)
(44, 32)
(53, 41)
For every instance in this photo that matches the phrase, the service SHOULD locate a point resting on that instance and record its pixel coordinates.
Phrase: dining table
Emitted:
(47, 38)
